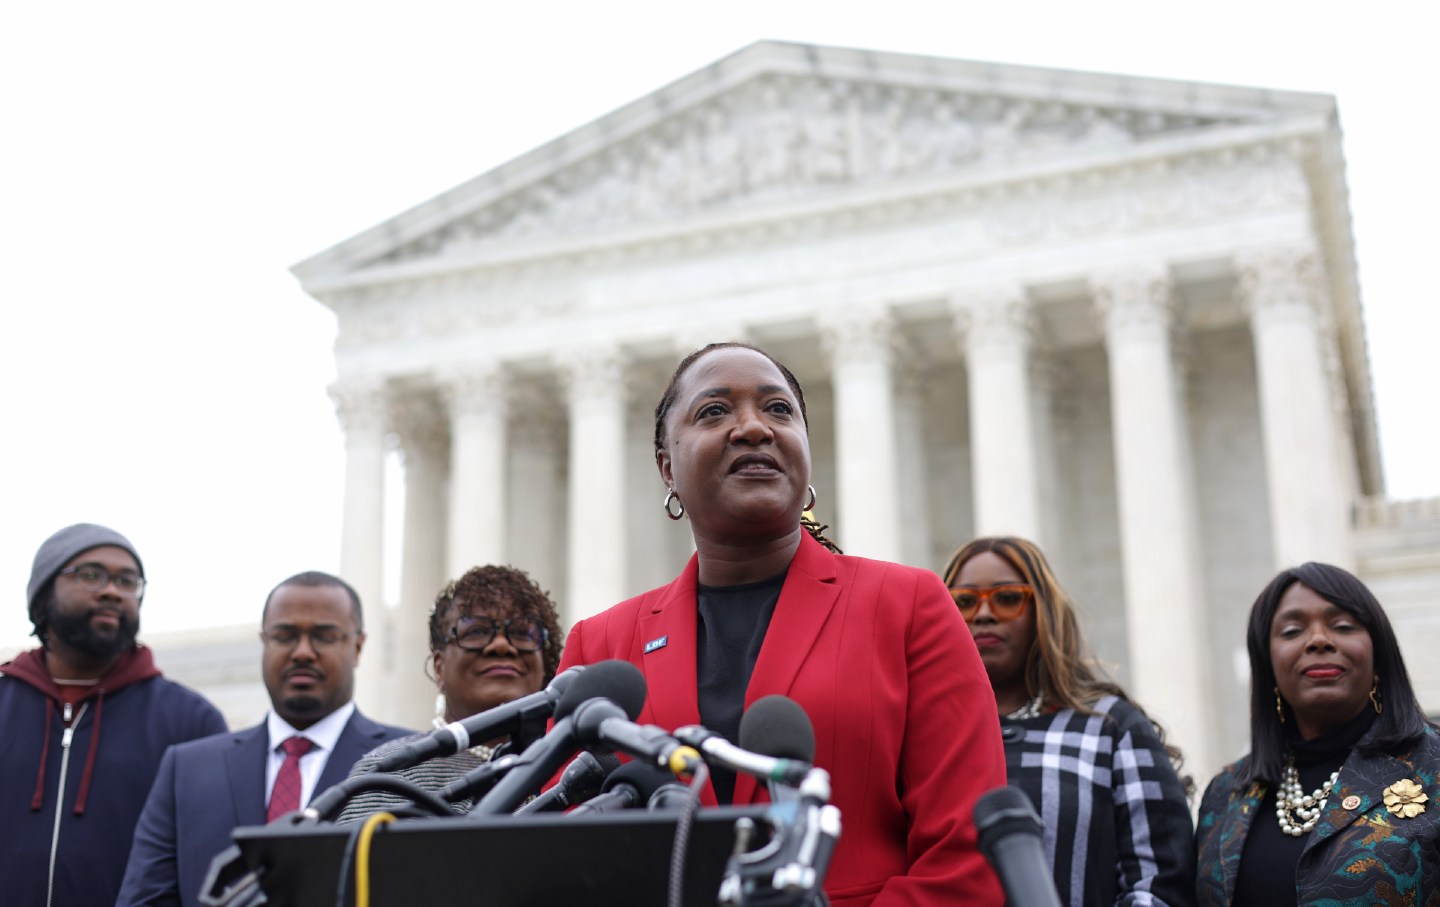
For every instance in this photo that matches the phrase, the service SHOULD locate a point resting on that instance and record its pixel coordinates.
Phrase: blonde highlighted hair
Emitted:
(1059, 667)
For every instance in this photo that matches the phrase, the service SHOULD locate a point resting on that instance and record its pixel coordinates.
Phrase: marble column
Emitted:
(361, 407)
(860, 346)
(1159, 531)
(997, 326)
(916, 497)
(594, 384)
(477, 401)
(1310, 495)
(424, 448)
(537, 518)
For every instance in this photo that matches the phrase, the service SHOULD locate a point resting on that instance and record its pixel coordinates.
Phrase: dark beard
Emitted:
(75, 631)
(303, 706)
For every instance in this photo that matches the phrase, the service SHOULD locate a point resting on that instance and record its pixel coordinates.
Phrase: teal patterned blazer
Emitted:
(1361, 852)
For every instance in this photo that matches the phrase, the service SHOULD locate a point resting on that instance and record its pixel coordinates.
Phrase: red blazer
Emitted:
(904, 716)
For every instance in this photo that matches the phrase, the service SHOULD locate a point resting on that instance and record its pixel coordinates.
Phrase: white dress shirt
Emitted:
(323, 734)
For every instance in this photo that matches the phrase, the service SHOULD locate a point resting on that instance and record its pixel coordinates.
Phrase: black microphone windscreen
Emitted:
(1003, 812)
(642, 776)
(619, 681)
(777, 726)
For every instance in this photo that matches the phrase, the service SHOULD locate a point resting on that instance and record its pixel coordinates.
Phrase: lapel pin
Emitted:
(658, 643)
(1405, 799)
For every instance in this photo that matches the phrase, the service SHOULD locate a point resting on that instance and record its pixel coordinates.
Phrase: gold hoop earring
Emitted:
(810, 506)
(1279, 705)
(670, 495)
(1375, 695)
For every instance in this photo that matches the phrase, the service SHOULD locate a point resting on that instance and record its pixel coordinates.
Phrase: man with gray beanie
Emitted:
(87, 717)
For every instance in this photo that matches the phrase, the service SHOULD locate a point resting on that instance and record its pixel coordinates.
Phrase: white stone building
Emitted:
(1117, 315)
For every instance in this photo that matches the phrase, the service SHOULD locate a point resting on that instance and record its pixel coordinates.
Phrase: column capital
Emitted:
(544, 415)
(480, 389)
(993, 317)
(1134, 301)
(422, 424)
(1279, 281)
(589, 373)
(859, 334)
(361, 404)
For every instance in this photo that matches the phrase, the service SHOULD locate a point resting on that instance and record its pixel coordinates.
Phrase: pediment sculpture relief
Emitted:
(784, 137)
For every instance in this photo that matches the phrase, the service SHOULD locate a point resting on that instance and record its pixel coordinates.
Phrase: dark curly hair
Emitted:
(501, 589)
(667, 400)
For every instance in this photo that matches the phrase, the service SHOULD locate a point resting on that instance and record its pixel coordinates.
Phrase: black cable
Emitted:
(675, 887)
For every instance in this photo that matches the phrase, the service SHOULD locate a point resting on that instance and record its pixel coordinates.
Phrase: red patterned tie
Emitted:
(285, 795)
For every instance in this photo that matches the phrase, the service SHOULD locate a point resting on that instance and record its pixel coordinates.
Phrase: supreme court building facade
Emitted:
(1117, 315)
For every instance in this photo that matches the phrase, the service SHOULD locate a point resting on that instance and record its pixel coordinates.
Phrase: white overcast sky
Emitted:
(163, 164)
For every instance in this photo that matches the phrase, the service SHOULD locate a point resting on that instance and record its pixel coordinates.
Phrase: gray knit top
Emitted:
(432, 774)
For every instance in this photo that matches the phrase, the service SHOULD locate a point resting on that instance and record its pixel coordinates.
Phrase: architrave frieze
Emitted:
(965, 223)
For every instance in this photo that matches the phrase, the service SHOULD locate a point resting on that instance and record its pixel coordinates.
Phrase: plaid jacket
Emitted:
(1117, 825)
(1361, 851)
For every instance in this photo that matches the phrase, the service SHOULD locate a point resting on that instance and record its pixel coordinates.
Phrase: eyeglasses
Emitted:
(286, 638)
(474, 632)
(93, 576)
(1007, 602)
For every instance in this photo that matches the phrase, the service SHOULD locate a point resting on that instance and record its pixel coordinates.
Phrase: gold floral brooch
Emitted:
(1405, 799)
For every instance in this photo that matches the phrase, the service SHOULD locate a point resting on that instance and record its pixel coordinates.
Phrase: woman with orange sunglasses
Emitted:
(1116, 817)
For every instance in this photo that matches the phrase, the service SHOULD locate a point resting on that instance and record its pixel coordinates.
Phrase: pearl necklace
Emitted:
(1028, 710)
(1292, 803)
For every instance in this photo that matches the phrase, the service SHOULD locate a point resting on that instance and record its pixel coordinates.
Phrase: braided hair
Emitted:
(667, 400)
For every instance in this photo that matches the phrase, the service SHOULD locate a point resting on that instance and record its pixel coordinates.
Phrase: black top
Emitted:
(1267, 868)
(729, 631)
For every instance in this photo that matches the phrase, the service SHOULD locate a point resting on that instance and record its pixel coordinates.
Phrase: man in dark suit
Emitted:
(312, 631)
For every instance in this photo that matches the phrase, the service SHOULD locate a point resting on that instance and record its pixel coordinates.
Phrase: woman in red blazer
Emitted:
(874, 652)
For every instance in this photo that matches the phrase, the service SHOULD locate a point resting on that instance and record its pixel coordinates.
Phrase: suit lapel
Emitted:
(806, 600)
(668, 631)
(360, 736)
(1233, 845)
(245, 768)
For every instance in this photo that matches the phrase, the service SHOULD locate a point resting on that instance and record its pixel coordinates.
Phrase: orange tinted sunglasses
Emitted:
(1007, 602)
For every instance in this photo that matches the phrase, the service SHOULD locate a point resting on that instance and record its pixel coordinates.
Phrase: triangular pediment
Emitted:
(779, 122)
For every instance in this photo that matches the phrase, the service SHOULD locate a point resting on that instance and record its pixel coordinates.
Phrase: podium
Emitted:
(620, 859)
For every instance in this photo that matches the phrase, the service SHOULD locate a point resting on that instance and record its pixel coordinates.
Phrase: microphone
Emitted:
(581, 780)
(1010, 838)
(603, 723)
(615, 686)
(478, 780)
(778, 727)
(631, 786)
(503, 719)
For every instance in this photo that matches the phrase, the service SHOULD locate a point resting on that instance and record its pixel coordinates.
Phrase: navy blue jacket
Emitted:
(70, 797)
(206, 789)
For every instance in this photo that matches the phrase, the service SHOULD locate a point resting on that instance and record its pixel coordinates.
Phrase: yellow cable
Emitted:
(362, 856)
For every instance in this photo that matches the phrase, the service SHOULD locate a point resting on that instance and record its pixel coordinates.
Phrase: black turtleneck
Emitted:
(1267, 866)
(731, 628)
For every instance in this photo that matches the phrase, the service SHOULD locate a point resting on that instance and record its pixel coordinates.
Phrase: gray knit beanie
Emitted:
(59, 548)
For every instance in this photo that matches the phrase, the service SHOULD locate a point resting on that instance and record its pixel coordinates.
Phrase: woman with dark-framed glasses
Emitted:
(1116, 819)
(494, 636)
